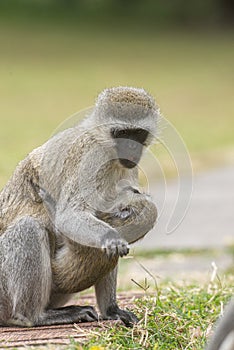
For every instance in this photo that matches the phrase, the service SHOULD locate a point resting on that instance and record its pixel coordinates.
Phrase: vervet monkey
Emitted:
(223, 338)
(61, 213)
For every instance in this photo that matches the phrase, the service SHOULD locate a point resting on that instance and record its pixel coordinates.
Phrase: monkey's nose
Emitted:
(132, 145)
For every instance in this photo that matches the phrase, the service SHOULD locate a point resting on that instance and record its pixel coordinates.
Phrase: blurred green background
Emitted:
(56, 56)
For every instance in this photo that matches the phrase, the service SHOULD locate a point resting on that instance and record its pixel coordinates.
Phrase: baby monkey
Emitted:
(133, 214)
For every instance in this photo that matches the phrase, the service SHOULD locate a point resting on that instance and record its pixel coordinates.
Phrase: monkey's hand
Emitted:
(115, 313)
(113, 245)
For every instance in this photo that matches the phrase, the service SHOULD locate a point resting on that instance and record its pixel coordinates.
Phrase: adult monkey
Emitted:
(50, 248)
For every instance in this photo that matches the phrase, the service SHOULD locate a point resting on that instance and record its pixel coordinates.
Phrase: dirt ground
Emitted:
(60, 335)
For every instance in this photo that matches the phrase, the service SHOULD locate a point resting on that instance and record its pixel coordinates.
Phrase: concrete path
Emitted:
(209, 221)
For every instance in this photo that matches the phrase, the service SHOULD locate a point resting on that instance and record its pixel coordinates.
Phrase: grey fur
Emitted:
(223, 338)
(66, 217)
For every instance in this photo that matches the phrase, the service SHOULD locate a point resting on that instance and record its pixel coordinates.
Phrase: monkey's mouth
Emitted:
(127, 163)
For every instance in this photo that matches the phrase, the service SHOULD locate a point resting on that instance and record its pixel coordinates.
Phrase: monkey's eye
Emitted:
(122, 133)
(119, 133)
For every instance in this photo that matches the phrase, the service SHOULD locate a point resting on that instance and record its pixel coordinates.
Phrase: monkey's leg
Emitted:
(25, 279)
(106, 298)
(25, 272)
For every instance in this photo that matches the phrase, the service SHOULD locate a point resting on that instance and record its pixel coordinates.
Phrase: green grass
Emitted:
(49, 72)
(149, 254)
(174, 314)
(176, 317)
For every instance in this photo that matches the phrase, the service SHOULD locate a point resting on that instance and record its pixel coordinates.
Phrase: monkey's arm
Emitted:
(105, 290)
(83, 227)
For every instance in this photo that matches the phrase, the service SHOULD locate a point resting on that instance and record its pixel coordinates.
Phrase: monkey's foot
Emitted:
(68, 314)
(127, 317)
(19, 321)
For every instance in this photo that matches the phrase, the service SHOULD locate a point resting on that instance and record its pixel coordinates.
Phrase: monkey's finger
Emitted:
(116, 247)
(124, 250)
(111, 250)
(120, 248)
(90, 317)
(88, 314)
(129, 319)
(107, 250)
(127, 248)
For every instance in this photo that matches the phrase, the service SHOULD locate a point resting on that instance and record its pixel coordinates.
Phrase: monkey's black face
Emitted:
(129, 145)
